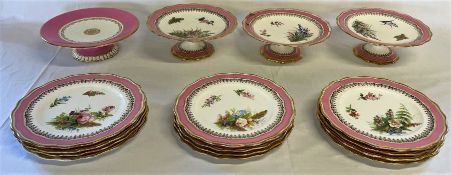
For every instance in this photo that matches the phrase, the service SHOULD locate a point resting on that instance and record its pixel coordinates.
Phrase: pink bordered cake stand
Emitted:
(193, 25)
(382, 29)
(383, 114)
(284, 31)
(91, 32)
(78, 110)
(234, 110)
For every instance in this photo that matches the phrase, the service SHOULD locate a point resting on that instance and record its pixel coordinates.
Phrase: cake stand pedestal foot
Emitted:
(95, 54)
(280, 53)
(375, 54)
(187, 50)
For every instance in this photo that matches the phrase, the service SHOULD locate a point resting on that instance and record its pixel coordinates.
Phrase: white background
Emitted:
(27, 62)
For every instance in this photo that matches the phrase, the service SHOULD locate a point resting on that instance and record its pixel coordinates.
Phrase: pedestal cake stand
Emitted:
(192, 25)
(91, 32)
(284, 31)
(382, 29)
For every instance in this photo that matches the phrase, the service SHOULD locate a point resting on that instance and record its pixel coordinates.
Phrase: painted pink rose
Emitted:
(108, 109)
(241, 122)
(394, 124)
(85, 117)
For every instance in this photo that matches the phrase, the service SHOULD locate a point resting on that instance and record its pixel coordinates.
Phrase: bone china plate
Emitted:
(383, 113)
(77, 110)
(234, 110)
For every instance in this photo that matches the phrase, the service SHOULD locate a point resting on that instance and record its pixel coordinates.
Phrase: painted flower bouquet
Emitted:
(394, 123)
(197, 33)
(364, 29)
(301, 33)
(80, 118)
(239, 120)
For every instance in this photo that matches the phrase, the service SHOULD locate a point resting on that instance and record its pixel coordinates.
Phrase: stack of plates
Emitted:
(79, 116)
(234, 115)
(382, 120)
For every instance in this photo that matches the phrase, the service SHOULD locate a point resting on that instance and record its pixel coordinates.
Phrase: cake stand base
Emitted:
(95, 54)
(186, 50)
(376, 54)
(281, 54)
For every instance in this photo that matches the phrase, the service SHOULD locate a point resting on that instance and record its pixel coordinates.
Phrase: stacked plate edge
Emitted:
(382, 120)
(79, 116)
(233, 115)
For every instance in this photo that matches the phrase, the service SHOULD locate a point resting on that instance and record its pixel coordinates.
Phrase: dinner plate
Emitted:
(234, 110)
(383, 113)
(77, 110)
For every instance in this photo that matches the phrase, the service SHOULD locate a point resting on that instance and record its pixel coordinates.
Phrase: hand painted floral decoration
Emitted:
(301, 33)
(243, 93)
(394, 123)
(364, 29)
(59, 101)
(191, 33)
(370, 96)
(352, 112)
(92, 93)
(211, 100)
(241, 120)
(80, 118)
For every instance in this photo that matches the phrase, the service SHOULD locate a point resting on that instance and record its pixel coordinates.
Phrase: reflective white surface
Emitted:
(27, 62)
(88, 30)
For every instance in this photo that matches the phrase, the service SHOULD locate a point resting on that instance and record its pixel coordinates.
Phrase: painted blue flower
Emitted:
(65, 98)
(242, 112)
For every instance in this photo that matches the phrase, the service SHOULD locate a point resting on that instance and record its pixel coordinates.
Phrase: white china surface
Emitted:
(253, 98)
(384, 28)
(192, 23)
(278, 27)
(358, 104)
(93, 95)
(88, 30)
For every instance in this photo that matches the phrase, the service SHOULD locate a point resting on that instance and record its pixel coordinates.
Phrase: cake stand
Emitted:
(382, 29)
(193, 25)
(284, 31)
(91, 32)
